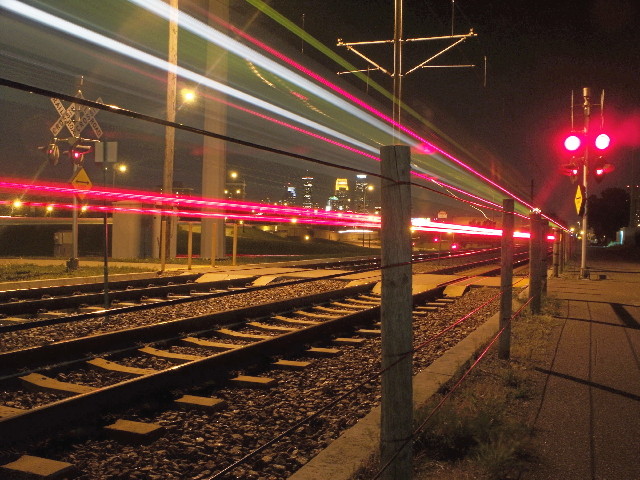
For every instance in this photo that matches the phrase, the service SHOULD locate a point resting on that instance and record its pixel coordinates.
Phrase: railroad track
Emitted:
(19, 310)
(123, 368)
(29, 308)
(199, 344)
(224, 417)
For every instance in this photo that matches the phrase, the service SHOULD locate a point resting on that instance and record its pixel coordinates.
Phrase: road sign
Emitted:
(580, 200)
(81, 181)
(76, 117)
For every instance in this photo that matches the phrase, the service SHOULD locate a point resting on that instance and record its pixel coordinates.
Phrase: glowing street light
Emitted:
(120, 168)
(188, 95)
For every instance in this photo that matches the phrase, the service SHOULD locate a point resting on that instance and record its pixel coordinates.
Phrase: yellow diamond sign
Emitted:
(580, 200)
(80, 181)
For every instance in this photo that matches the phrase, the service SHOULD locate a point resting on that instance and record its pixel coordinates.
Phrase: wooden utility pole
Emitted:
(396, 314)
(556, 251)
(535, 258)
(234, 251)
(544, 255)
(563, 249)
(506, 278)
(170, 132)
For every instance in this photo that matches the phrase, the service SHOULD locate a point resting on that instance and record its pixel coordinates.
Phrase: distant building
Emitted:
(332, 204)
(634, 207)
(289, 196)
(360, 194)
(342, 194)
(307, 192)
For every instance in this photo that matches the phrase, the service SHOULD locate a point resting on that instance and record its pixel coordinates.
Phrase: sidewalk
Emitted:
(588, 425)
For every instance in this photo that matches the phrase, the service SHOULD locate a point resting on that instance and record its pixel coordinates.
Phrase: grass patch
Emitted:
(22, 272)
(483, 430)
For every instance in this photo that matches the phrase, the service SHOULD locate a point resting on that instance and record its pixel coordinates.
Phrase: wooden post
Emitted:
(544, 257)
(396, 314)
(170, 133)
(535, 282)
(563, 249)
(163, 243)
(556, 252)
(190, 246)
(214, 242)
(235, 244)
(506, 278)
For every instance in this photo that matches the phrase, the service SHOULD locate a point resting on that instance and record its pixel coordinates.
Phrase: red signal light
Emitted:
(78, 152)
(602, 141)
(572, 143)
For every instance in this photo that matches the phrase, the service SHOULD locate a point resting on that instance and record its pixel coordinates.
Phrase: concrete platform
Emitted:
(589, 420)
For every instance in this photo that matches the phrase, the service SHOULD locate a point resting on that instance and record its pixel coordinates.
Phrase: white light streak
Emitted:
(216, 37)
(102, 41)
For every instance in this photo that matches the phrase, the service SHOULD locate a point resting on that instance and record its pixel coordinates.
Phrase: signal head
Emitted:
(572, 143)
(77, 153)
(602, 141)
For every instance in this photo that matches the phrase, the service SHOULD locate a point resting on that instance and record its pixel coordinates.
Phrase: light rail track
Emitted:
(204, 363)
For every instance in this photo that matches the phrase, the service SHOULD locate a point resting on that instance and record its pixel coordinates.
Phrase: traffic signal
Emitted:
(576, 142)
(571, 170)
(53, 152)
(602, 141)
(600, 169)
(77, 153)
(573, 143)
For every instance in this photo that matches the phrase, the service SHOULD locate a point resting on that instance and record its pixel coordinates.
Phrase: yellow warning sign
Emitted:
(81, 181)
(580, 200)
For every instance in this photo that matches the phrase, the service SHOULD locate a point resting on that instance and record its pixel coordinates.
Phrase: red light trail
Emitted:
(230, 210)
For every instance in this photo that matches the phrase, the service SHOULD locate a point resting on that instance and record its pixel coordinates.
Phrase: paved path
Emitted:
(588, 426)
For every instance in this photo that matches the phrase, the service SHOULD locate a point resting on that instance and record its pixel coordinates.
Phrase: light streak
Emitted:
(266, 213)
(102, 41)
(212, 35)
(237, 48)
(206, 32)
(193, 202)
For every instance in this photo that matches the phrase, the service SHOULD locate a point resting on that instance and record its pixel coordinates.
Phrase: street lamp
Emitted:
(368, 188)
(120, 168)
(188, 95)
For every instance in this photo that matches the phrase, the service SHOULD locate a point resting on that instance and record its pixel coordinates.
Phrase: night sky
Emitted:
(511, 115)
(537, 53)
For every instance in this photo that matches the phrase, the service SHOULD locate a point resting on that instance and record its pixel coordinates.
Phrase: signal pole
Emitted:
(580, 144)
(584, 270)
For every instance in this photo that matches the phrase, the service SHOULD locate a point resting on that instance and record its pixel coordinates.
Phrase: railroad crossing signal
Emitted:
(75, 117)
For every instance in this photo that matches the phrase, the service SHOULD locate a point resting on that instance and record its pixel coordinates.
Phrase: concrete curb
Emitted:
(342, 459)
